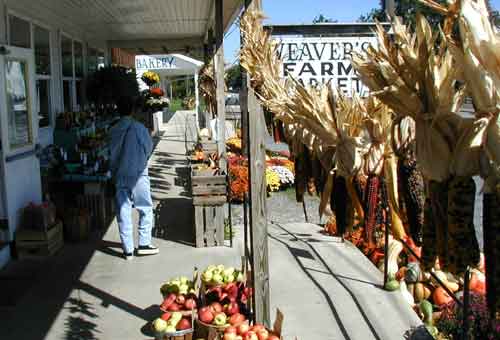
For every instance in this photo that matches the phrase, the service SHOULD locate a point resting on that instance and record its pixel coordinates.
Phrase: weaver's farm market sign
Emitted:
(314, 61)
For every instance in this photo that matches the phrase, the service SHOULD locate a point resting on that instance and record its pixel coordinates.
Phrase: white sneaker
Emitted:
(147, 250)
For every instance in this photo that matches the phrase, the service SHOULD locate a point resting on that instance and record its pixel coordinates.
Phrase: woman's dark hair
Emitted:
(126, 105)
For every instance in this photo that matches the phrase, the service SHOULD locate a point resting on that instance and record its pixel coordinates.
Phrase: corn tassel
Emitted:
(463, 246)
(412, 190)
(491, 230)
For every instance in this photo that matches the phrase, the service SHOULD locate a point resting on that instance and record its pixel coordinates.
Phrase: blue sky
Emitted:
(304, 11)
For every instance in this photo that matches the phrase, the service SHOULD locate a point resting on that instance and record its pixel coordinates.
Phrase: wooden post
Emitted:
(258, 195)
(219, 79)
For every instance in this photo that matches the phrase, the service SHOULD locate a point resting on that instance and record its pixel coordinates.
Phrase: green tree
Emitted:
(320, 19)
(233, 77)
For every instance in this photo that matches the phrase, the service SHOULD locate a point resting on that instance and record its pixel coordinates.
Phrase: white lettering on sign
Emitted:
(315, 61)
(155, 63)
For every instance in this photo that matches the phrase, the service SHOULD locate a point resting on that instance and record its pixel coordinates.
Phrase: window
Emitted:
(73, 65)
(19, 32)
(43, 75)
(78, 59)
(92, 60)
(18, 111)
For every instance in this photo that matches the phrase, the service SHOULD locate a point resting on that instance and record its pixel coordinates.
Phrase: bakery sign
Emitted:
(314, 61)
(155, 62)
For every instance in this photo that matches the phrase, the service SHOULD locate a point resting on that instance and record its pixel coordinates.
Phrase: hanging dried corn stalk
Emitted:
(416, 75)
(208, 87)
(477, 50)
(410, 179)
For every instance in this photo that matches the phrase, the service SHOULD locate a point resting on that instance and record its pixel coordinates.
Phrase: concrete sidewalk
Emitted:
(327, 290)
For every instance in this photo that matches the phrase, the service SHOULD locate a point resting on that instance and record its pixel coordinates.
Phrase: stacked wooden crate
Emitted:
(39, 243)
(209, 196)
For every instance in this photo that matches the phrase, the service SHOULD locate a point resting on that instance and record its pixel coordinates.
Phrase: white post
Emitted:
(197, 99)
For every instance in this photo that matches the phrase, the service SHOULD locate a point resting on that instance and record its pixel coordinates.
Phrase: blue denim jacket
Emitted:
(129, 164)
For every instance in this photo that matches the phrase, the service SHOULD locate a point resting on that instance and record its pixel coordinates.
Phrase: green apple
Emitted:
(175, 318)
(207, 276)
(228, 271)
(228, 278)
(170, 329)
(210, 268)
(184, 280)
(220, 267)
(220, 319)
(217, 279)
(159, 325)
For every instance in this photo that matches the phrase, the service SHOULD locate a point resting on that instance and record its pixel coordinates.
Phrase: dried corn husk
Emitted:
(413, 77)
(208, 87)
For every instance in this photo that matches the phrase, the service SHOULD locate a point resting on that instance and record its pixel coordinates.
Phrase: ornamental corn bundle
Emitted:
(410, 179)
(208, 87)
(414, 77)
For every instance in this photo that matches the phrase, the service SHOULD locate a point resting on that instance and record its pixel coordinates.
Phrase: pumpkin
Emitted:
(441, 297)
(477, 282)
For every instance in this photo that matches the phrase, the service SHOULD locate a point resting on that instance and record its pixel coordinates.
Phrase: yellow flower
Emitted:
(272, 180)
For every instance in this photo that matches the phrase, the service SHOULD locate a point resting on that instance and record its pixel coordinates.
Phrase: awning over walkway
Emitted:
(139, 26)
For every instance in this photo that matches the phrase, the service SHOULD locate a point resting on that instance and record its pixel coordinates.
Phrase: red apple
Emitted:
(243, 328)
(206, 315)
(250, 335)
(231, 308)
(216, 307)
(183, 324)
(190, 304)
(236, 319)
(257, 327)
(263, 334)
(166, 316)
(181, 299)
(168, 301)
(174, 307)
(230, 329)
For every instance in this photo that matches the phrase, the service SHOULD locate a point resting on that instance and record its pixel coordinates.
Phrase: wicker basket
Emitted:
(209, 332)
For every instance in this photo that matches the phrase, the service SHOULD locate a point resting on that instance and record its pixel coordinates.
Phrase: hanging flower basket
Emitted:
(150, 78)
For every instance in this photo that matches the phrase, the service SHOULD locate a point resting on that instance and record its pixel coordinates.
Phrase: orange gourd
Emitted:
(441, 297)
(477, 283)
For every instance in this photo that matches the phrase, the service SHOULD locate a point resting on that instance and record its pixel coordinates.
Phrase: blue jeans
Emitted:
(138, 196)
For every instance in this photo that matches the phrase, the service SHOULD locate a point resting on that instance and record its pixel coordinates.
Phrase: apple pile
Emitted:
(246, 332)
(171, 323)
(218, 315)
(179, 302)
(180, 285)
(219, 275)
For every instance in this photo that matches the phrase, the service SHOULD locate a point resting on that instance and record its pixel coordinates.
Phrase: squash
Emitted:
(426, 309)
(413, 272)
(453, 286)
(419, 291)
(441, 297)
(395, 248)
(477, 282)
(400, 275)
(392, 285)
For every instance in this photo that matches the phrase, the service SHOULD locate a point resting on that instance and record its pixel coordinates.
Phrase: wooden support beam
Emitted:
(258, 194)
(219, 79)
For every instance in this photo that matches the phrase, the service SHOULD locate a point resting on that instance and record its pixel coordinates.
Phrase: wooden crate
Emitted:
(209, 196)
(208, 146)
(39, 244)
(99, 206)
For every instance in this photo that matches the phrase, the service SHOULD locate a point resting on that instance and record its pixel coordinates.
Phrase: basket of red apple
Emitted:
(246, 332)
(173, 326)
(215, 318)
